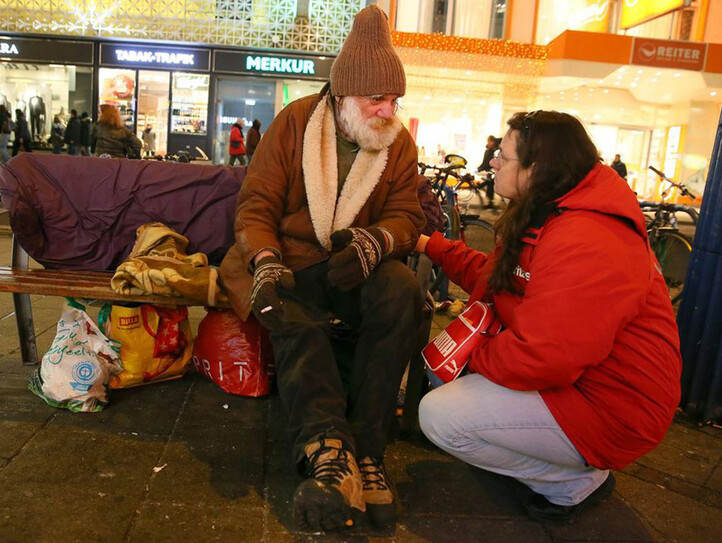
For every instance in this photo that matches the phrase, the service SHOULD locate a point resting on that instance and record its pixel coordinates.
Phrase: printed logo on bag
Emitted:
(444, 343)
(84, 374)
(203, 365)
(129, 321)
(451, 367)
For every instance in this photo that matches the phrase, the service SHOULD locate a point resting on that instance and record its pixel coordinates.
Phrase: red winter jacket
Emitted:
(237, 138)
(593, 332)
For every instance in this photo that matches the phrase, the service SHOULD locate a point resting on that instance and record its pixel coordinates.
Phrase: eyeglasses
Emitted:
(498, 155)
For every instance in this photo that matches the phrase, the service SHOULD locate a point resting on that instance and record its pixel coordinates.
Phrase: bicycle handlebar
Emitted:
(683, 189)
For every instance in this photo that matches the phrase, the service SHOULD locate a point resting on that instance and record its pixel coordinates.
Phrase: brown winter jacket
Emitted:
(288, 201)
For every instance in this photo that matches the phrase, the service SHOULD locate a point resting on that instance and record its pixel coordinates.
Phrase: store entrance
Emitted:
(247, 99)
(153, 101)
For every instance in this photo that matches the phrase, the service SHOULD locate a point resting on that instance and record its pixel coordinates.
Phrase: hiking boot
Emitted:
(380, 502)
(539, 508)
(332, 495)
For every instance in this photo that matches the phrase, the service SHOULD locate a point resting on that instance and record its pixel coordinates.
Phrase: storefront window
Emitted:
(117, 88)
(43, 91)
(189, 109)
(293, 90)
(556, 16)
(468, 18)
(472, 18)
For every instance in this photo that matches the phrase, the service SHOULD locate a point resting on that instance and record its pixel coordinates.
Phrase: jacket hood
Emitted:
(603, 191)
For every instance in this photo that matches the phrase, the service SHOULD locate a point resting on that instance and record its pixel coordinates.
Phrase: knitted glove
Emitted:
(361, 249)
(265, 302)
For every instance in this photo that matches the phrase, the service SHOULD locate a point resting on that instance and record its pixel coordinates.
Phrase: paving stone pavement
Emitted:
(184, 461)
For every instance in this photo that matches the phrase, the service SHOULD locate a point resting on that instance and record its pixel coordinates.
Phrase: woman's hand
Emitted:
(421, 244)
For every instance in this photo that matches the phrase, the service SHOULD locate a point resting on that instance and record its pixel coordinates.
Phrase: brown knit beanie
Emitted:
(367, 64)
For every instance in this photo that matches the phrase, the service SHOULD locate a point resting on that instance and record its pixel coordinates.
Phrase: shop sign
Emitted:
(8, 48)
(682, 55)
(636, 12)
(46, 50)
(257, 63)
(127, 55)
(271, 64)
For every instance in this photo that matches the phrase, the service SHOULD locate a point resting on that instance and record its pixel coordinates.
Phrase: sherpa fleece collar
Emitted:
(320, 171)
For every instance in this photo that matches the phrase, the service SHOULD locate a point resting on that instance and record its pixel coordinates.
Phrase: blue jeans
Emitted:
(508, 432)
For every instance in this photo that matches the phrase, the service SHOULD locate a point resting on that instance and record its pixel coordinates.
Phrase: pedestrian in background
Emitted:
(619, 167)
(236, 149)
(22, 134)
(85, 127)
(492, 146)
(72, 133)
(252, 139)
(148, 137)
(6, 128)
(57, 131)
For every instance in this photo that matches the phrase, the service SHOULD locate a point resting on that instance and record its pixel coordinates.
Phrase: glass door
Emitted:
(245, 99)
(153, 100)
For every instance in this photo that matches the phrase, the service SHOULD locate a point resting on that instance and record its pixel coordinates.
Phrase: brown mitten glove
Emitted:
(361, 249)
(265, 302)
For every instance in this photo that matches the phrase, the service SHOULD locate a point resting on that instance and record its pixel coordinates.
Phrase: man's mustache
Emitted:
(378, 122)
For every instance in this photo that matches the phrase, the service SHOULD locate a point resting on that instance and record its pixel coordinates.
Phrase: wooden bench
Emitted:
(22, 282)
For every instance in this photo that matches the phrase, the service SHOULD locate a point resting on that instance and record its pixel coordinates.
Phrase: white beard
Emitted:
(373, 134)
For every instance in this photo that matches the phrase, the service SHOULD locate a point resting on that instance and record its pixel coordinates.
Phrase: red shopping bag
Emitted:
(234, 354)
(447, 355)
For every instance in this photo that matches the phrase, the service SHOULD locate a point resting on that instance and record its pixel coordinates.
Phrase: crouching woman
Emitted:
(584, 377)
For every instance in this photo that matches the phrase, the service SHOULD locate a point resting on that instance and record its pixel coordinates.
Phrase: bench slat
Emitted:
(78, 284)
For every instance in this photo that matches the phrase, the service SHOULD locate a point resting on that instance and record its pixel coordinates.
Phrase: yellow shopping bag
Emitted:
(156, 343)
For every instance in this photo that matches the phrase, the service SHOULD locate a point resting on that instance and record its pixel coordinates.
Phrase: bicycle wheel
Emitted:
(478, 234)
(673, 251)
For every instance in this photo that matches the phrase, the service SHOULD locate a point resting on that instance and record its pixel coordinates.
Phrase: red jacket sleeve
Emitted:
(463, 265)
(588, 279)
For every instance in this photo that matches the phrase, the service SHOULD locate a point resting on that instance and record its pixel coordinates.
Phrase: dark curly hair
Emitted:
(560, 154)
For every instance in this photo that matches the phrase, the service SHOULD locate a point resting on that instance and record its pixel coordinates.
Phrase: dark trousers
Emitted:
(26, 145)
(241, 159)
(384, 315)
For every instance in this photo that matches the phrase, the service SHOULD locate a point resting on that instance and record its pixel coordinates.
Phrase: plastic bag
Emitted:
(74, 373)
(447, 355)
(156, 343)
(234, 354)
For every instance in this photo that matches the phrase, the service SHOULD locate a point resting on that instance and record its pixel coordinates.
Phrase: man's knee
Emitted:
(393, 283)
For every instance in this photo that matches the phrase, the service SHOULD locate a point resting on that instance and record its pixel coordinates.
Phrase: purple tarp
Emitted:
(82, 213)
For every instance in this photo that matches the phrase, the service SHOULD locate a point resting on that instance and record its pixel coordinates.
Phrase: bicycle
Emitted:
(672, 248)
(474, 231)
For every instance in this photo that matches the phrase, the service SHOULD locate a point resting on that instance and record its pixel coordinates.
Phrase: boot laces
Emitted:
(328, 470)
(372, 473)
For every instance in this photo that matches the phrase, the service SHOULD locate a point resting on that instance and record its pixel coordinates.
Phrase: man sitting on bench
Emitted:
(327, 209)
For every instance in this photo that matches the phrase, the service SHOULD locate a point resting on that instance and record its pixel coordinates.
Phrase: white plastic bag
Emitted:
(74, 373)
